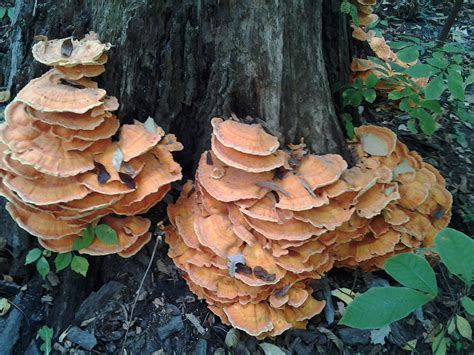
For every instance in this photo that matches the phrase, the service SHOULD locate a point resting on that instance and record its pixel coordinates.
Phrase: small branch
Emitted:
(450, 21)
(130, 319)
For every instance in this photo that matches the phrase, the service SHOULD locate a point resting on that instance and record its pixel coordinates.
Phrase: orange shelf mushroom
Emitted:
(59, 167)
(259, 222)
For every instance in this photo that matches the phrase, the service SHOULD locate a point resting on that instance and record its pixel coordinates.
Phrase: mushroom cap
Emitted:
(361, 35)
(372, 202)
(215, 232)
(128, 230)
(252, 318)
(135, 139)
(233, 185)
(155, 174)
(88, 50)
(46, 190)
(321, 170)
(298, 195)
(394, 215)
(15, 167)
(142, 206)
(329, 217)
(40, 224)
(291, 230)
(60, 245)
(265, 269)
(79, 71)
(370, 247)
(136, 247)
(377, 141)
(106, 129)
(248, 162)
(47, 155)
(263, 209)
(75, 121)
(367, 19)
(245, 138)
(49, 93)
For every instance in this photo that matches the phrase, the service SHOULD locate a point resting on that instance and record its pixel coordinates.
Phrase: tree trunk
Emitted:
(188, 61)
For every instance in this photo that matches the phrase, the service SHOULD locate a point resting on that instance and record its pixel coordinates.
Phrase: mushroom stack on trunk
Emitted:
(259, 222)
(402, 207)
(60, 168)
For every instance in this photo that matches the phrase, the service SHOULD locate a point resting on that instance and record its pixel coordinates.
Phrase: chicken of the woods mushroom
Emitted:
(60, 169)
(259, 221)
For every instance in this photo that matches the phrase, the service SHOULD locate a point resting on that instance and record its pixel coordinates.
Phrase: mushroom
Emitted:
(60, 169)
(249, 234)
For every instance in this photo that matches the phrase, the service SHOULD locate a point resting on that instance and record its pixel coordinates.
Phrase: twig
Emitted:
(138, 293)
(450, 22)
(21, 311)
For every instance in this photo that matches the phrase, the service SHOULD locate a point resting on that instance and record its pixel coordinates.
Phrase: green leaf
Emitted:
(380, 306)
(463, 326)
(411, 125)
(396, 95)
(271, 349)
(412, 271)
(455, 85)
(62, 261)
(464, 115)
(348, 125)
(371, 80)
(438, 347)
(345, 7)
(408, 54)
(43, 267)
(33, 255)
(399, 45)
(352, 97)
(451, 48)
(404, 105)
(426, 121)
(370, 95)
(441, 63)
(456, 250)
(106, 234)
(451, 326)
(435, 88)
(457, 59)
(46, 335)
(86, 239)
(420, 71)
(11, 12)
(358, 83)
(468, 305)
(432, 105)
(80, 265)
(355, 15)
(3, 11)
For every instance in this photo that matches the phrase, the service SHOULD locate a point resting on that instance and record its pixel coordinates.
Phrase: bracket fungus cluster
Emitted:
(389, 64)
(259, 222)
(60, 168)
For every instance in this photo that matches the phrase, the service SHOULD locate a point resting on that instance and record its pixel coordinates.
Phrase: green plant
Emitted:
(77, 263)
(9, 11)
(350, 9)
(45, 333)
(422, 103)
(381, 306)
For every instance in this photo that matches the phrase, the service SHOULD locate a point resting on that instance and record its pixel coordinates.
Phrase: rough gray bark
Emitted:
(185, 62)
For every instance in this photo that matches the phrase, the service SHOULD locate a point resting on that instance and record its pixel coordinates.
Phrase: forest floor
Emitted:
(168, 319)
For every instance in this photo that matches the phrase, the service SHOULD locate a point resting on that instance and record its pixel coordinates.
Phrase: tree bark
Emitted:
(185, 62)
